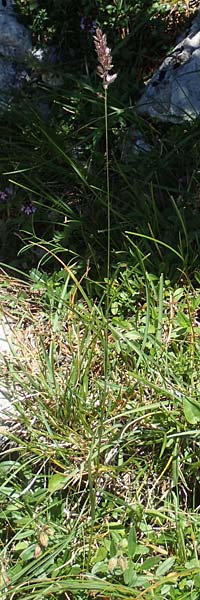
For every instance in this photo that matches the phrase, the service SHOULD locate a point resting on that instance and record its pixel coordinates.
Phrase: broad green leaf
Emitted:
(165, 590)
(132, 542)
(192, 564)
(33, 5)
(197, 580)
(100, 554)
(191, 411)
(100, 567)
(141, 549)
(149, 563)
(21, 546)
(22, 535)
(178, 294)
(165, 567)
(130, 576)
(56, 482)
(141, 581)
(113, 548)
(114, 308)
(28, 553)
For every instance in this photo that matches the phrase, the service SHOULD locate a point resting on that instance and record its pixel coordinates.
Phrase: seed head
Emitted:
(104, 58)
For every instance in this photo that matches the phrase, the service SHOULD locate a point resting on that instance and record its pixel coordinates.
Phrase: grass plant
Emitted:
(99, 469)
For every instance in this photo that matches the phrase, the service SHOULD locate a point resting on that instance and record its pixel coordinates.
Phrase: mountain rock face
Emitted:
(173, 93)
(15, 44)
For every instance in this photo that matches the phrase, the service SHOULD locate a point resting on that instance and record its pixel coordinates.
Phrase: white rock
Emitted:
(5, 403)
(5, 337)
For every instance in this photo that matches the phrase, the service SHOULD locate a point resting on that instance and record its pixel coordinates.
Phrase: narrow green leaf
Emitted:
(132, 542)
(152, 239)
(160, 310)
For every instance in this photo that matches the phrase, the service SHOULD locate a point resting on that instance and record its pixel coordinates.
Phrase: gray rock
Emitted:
(134, 143)
(48, 55)
(18, 59)
(15, 44)
(173, 93)
(47, 60)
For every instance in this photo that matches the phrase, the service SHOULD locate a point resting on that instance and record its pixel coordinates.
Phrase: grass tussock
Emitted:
(116, 514)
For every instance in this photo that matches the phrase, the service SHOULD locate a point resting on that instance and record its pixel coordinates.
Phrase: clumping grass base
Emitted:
(121, 519)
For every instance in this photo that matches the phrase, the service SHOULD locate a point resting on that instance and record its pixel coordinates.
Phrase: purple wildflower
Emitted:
(3, 195)
(88, 25)
(28, 208)
(7, 191)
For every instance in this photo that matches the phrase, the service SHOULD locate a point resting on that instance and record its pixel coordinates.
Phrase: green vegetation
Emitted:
(99, 470)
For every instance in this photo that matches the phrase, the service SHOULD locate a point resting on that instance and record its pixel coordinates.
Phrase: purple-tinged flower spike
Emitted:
(28, 209)
(104, 58)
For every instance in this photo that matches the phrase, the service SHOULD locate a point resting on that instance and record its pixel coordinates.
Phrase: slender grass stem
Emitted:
(108, 198)
(104, 394)
(105, 341)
